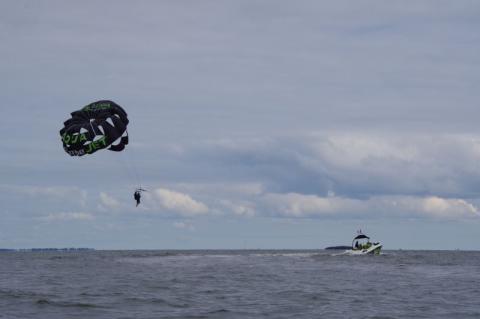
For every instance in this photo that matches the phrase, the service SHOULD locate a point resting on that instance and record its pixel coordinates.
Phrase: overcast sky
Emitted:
(253, 124)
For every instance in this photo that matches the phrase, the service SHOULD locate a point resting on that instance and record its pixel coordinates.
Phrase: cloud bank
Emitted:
(334, 174)
(298, 205)
(314, 175)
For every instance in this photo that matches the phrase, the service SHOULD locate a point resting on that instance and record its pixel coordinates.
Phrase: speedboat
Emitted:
(361, 245)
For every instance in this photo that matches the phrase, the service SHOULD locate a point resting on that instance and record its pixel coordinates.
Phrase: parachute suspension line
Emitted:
(130, 165)
(132, 160)
(129, 168)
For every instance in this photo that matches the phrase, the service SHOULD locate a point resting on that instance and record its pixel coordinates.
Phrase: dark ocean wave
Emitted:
(65, 304)
(19, 294)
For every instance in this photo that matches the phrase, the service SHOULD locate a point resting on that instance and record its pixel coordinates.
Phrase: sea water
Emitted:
(239, 284)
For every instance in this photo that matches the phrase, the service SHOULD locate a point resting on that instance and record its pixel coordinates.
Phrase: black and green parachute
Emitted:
(99, 125)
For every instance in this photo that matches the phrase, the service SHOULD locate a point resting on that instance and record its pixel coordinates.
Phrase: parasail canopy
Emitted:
(99, 125)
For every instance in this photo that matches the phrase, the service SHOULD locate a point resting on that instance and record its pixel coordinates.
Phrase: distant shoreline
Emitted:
(45, 249)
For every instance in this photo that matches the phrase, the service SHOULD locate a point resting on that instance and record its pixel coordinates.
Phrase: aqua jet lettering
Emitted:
(74, 138)
(95, 145)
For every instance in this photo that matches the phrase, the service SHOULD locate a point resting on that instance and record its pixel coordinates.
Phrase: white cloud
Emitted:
(179, 203)
(67, 216)
(440, 207)
(349, 149)
(108, 202)
(246, 209)
(300, 205)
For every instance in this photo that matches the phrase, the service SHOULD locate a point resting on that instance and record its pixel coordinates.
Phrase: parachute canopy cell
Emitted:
(99, 125)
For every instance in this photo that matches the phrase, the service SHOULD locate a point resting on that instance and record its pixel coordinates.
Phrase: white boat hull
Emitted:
(372, 250)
